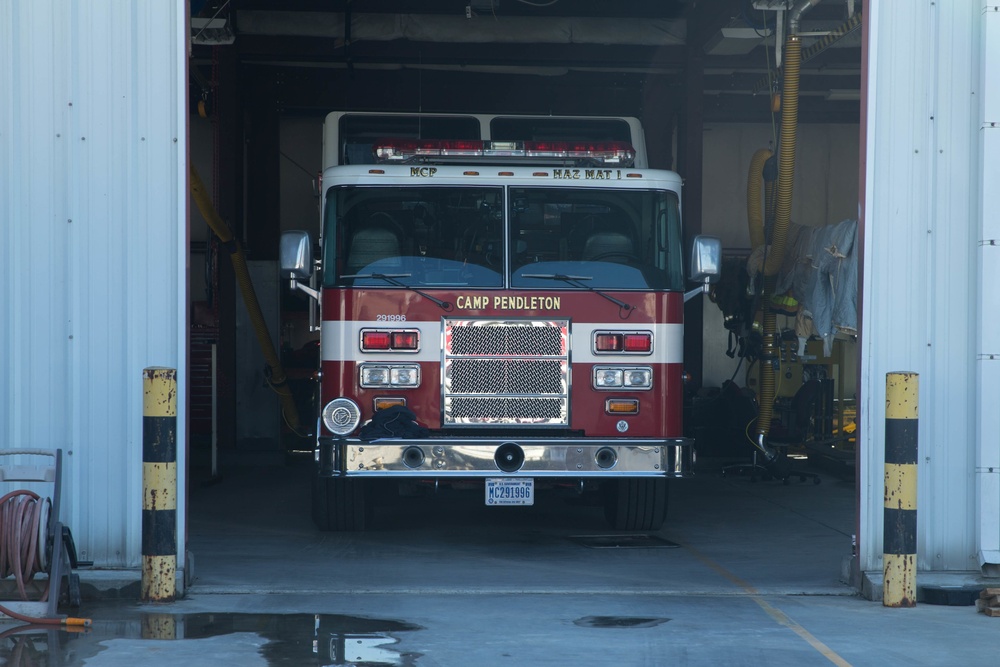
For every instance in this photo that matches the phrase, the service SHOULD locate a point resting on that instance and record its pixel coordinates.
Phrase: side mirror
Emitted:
(706, 264)
(295, 255)
(706, 259)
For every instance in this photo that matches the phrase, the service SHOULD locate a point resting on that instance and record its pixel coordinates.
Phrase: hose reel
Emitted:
(33, 541)
(25, 549)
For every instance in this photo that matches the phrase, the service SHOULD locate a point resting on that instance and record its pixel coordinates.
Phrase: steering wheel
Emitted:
(615, 253)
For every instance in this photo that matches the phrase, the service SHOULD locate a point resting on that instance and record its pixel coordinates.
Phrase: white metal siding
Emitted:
(987, 485)
(921, 279)
(93, 205)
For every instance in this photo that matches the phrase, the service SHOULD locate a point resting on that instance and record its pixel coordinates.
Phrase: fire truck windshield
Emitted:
(488, 237)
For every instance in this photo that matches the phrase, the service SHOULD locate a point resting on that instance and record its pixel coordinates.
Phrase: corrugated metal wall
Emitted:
(921, 280)
(987, 487)
(93, 242)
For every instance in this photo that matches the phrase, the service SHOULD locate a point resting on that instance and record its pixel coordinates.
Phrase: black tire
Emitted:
(338, 503)
(636, 504)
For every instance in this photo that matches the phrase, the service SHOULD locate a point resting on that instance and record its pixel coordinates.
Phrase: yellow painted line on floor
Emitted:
(772, 611)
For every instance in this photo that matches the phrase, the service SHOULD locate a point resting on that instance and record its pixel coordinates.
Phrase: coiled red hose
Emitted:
(20, 552)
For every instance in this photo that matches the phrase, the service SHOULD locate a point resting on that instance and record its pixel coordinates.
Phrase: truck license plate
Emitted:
(510, 491)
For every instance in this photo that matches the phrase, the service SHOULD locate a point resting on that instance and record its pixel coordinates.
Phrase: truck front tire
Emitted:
(338, 503)
(636, 503)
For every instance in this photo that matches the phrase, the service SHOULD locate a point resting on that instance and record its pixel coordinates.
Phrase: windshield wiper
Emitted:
(576, 281)
(391, 278)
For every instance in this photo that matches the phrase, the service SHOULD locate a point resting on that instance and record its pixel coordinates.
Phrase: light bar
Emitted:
(405, 150)
(604, 153)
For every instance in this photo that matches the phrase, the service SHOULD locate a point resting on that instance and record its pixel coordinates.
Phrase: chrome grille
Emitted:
(509, 410)
(506, 376)
(507, 338)
(502, 372)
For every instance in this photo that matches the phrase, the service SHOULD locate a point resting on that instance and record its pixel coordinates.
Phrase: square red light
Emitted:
(608, 342)
(405, 340)
(638, 342)
(375, 340)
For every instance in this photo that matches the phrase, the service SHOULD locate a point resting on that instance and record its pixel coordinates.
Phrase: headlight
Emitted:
(638, 378)
(405, 376)
(341, 416)
(607, 377)
(625, 377)
(390, 375)
(374, 376)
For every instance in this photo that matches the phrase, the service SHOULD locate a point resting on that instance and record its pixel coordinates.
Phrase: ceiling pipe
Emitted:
(795, 16)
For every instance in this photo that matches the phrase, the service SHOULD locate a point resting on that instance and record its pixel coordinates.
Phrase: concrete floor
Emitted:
(748, 573)
(252, 533)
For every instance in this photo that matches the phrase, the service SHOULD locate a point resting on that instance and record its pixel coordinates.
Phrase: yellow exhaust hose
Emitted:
(782, 219)
(278, 379)
(755, 215)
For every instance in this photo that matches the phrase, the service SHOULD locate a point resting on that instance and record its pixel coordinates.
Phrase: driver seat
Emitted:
(378, 239)
(607, 243)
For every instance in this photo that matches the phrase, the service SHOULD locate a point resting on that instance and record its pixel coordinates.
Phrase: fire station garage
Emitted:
(698, 287)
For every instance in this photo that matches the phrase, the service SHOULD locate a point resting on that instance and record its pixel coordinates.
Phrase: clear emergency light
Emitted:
(601, 153)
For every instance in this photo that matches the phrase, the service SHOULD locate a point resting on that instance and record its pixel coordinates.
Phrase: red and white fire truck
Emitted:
(501, 304)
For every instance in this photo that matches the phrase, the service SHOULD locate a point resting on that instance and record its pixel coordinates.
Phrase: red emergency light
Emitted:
(598, 153)
(405, 340)
(608, 342)
(380, 340)
(638, 342)
(375, 340)
(611, 341)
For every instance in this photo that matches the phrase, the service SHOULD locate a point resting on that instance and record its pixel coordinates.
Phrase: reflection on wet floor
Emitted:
(622, 541)
(284, 639)
(619, 622)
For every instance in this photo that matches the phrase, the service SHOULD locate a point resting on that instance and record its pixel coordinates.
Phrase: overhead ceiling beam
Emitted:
(707, 17)
(585, 8)
(747, 81)
(311, 50)
(322, 90)
(760, 58)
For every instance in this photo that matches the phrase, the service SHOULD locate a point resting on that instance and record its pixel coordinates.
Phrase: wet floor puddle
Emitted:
(271, 640)
(278, 639)
(619, 621)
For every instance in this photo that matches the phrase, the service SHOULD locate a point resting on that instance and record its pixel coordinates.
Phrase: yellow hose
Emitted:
(278, 380)
(782, 219)
(770, 194)
(786, 155)
(755, 216)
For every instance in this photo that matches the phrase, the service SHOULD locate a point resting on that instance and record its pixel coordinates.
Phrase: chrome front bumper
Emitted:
(532, 457)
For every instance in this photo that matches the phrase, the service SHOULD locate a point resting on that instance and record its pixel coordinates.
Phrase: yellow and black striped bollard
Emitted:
(159, 484)
(899, 559)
